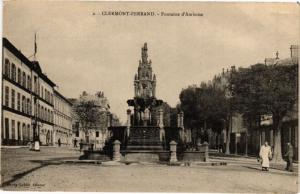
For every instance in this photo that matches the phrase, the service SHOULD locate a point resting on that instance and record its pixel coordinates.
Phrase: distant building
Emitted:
(62, 120)
(294, 51)
(293, 59)
(27, 99)
(100, 133)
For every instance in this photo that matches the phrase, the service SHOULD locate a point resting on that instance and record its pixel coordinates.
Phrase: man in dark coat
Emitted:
(59, 143)
(75, 143)
(289, 156)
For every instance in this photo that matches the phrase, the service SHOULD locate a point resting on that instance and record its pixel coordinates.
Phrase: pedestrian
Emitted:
(289, 157)
(81, 144)
(58, 141)
(265, 154)
(75, 143)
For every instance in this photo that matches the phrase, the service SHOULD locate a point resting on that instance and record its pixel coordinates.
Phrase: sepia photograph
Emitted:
(140, 96)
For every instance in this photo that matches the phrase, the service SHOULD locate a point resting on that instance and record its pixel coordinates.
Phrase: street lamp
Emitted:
(36, 129)
(36, 139)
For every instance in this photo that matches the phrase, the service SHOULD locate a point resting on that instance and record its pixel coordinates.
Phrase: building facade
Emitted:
(27, 99)
(62, 120)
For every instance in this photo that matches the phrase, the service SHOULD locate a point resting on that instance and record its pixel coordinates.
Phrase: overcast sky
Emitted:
(80, 51)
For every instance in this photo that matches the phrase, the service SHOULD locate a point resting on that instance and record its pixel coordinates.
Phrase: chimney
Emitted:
(294, 51)
(233, 68)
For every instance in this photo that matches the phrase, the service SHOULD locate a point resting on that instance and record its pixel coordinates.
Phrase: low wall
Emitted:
(193, 156)
(94, 155)
(200, 155)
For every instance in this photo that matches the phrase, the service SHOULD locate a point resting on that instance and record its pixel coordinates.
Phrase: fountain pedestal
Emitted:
(144, 138)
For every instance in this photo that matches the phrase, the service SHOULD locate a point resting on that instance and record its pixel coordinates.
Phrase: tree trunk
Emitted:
(227, 141)
(228, 131)
(219, 142)
(277, 143)
(246, 144)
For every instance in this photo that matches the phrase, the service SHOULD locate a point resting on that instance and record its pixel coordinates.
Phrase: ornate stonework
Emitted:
(144, 81)
(144, 102)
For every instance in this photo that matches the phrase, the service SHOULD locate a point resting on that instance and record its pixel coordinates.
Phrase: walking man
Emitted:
(265, 154)
(289, 157)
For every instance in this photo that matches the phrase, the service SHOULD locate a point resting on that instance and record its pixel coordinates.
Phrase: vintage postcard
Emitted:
(146, 96)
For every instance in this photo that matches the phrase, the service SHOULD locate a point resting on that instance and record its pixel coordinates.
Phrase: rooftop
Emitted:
(33, 65)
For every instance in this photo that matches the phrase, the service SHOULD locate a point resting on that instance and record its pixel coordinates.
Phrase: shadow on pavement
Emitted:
(279, 172)
(217, 154)
(43, 163)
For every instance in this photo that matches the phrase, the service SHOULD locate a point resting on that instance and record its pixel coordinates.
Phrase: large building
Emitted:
(62, 120)
(27, 105)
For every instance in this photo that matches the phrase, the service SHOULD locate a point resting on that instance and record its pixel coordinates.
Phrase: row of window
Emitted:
(43, 92)
(46, 95)
(25, 107)
(68, 118)
(63, 121)
(16, 104)
(62, 106)
(17, 131)
(77, 133)
(45, 114)
(11, 72)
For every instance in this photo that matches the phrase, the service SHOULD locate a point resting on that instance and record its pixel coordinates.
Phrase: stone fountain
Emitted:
(145, 138)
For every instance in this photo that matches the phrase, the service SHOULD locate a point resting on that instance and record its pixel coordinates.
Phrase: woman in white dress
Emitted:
(265, 154)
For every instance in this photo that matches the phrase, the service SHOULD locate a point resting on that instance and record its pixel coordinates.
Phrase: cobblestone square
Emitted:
(46, 171)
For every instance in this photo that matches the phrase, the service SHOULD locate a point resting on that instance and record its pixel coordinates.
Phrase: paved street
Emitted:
(17, 162)
(24, 170)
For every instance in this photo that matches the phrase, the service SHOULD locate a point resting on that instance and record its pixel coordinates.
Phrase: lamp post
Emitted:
(36, 129)
(36, 137)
